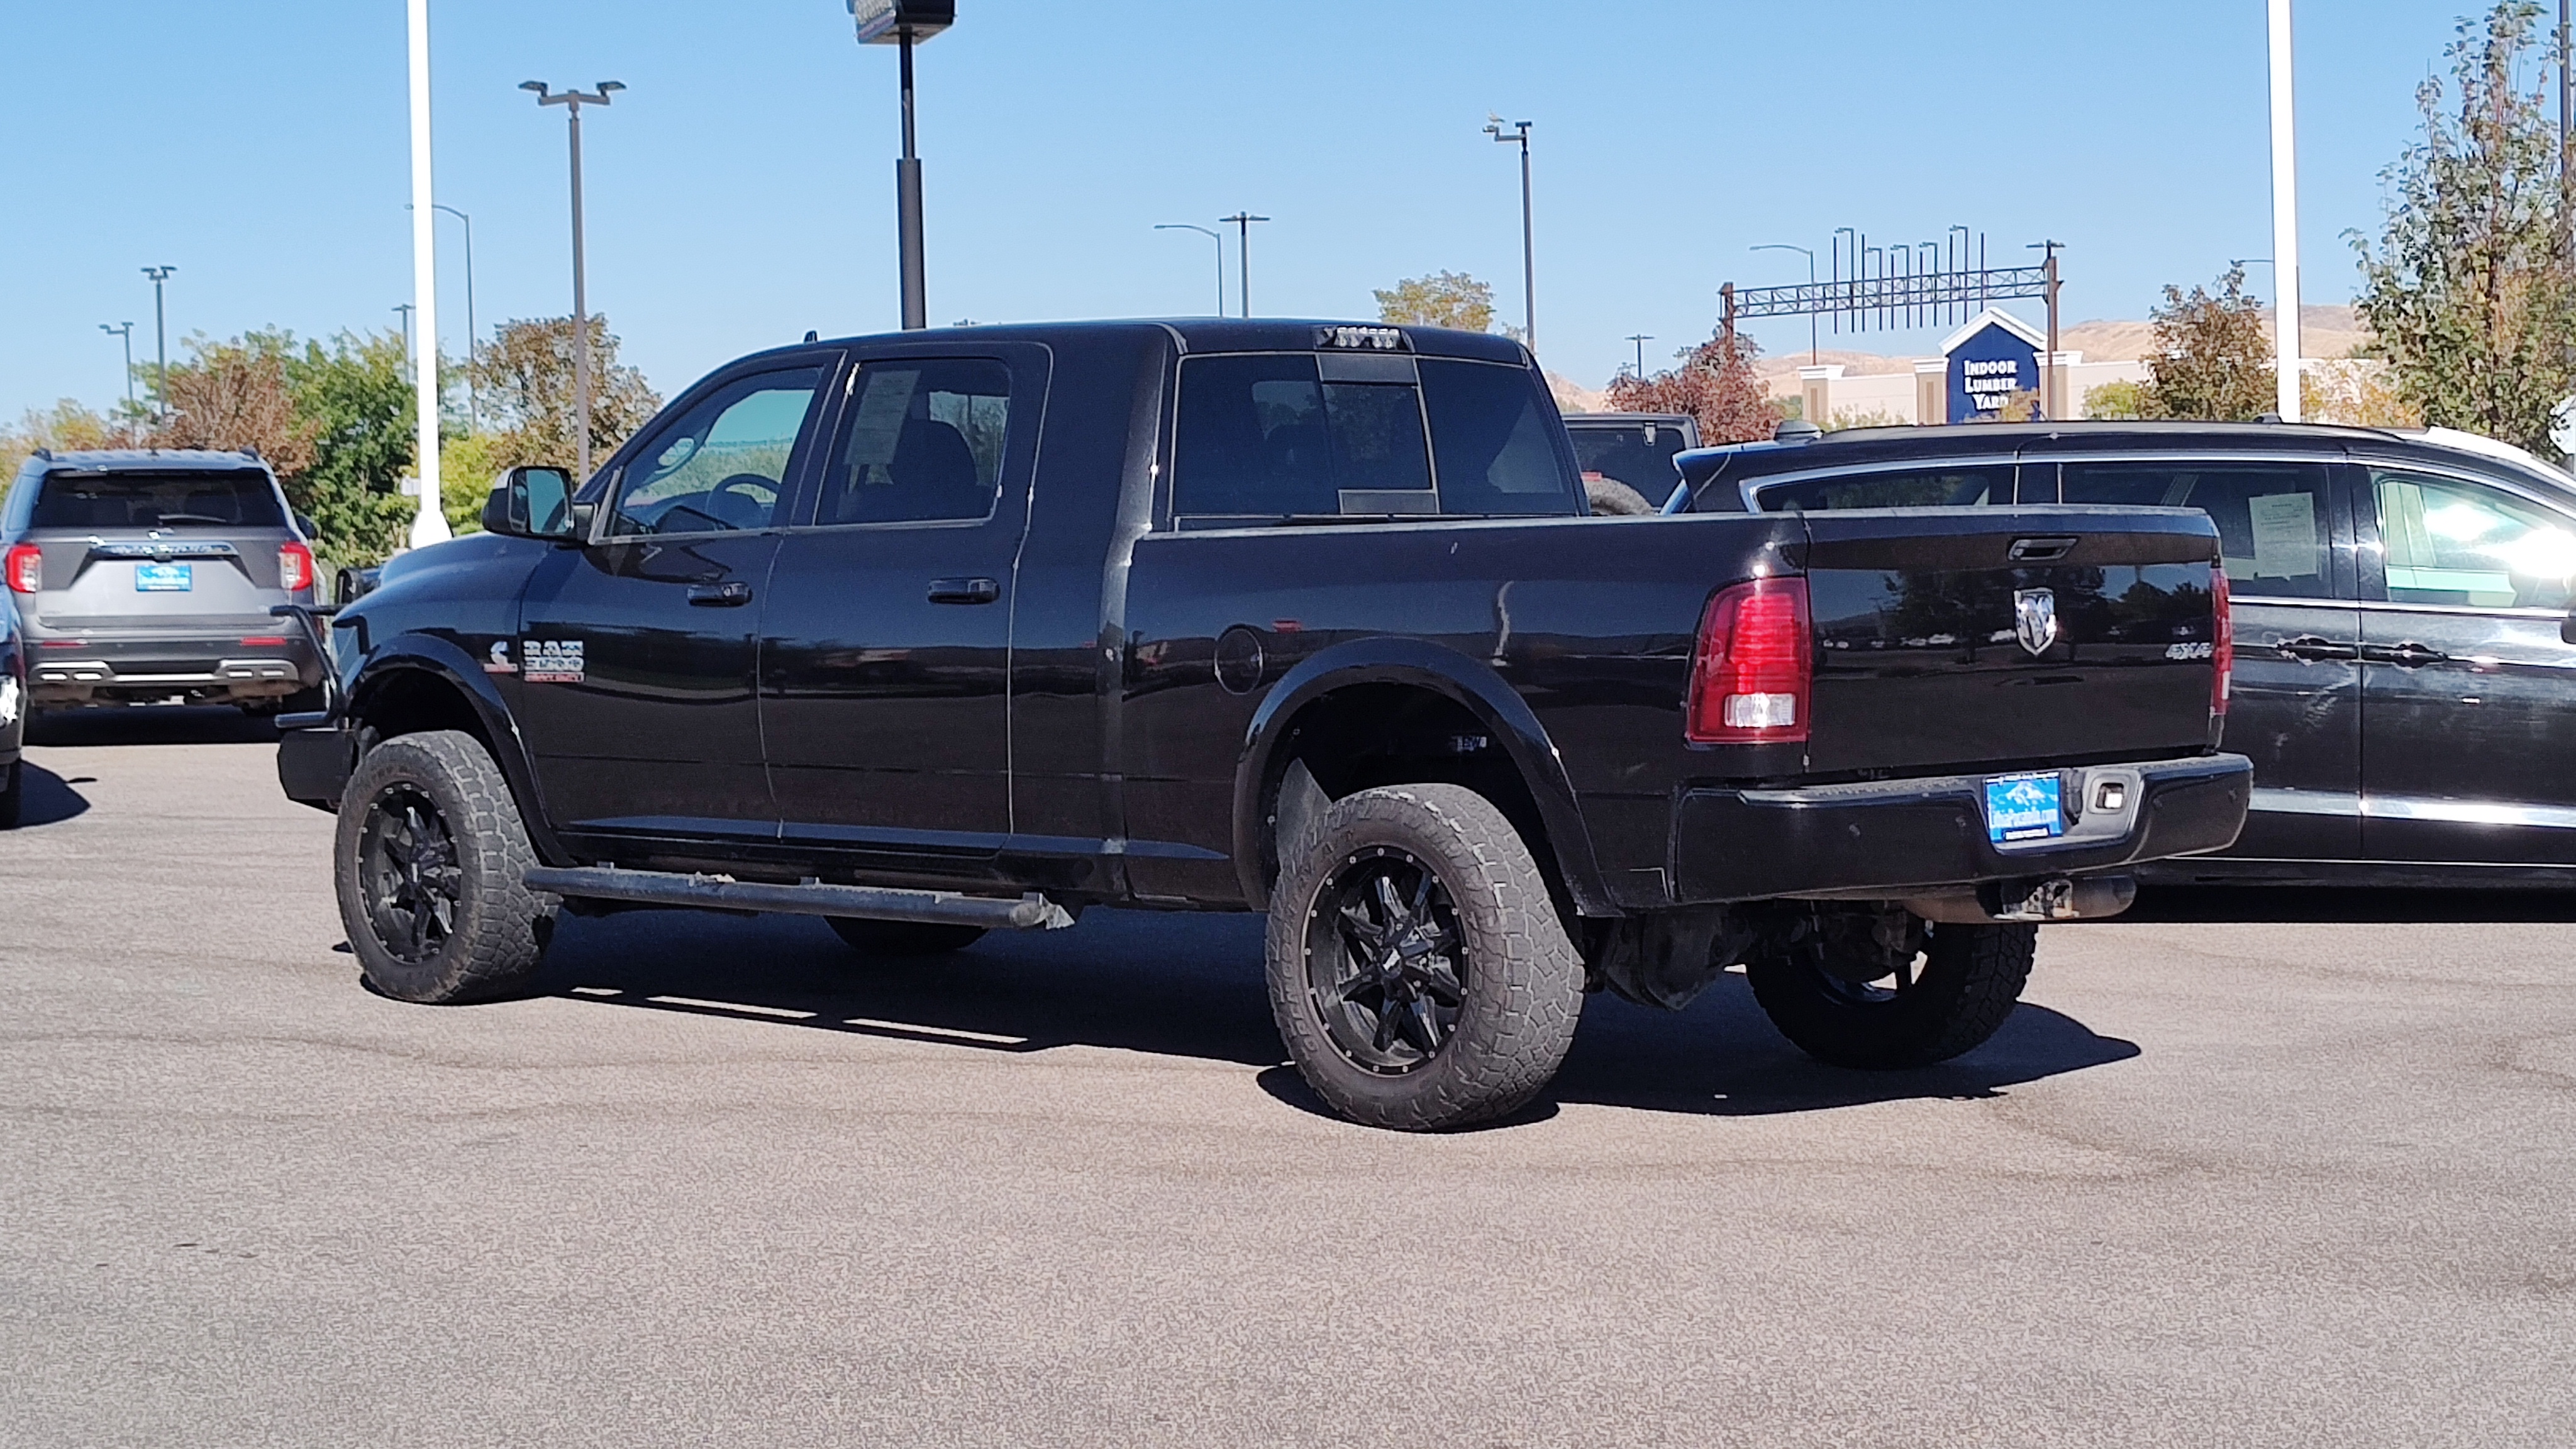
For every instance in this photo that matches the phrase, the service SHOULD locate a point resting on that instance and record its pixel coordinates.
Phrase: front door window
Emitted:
(721, 466)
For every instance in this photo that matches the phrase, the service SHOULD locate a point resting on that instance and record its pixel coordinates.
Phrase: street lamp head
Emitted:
(537, 86)
(606, 87)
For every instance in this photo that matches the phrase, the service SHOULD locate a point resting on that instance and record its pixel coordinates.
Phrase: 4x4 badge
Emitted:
(2035, 619)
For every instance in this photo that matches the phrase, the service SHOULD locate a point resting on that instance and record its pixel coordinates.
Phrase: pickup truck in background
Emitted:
(964, 630)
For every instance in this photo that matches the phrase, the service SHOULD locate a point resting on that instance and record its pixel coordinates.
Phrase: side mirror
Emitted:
(535, 503)
(2567, 629)
(305, 525)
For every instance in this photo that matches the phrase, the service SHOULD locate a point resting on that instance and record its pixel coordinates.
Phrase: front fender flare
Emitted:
(444, 659)
(1469, 681)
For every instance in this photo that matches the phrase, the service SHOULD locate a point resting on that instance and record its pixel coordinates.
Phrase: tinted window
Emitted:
(1924, 488)
(1264, 437)
(2271, 517)
(2449, 542)
(722, 464)
(237, 498)
(923, 441)
(1495, 441)
(1637, 454)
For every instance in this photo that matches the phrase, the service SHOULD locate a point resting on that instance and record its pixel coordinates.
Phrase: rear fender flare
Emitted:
(446, 661)
(1472, 683)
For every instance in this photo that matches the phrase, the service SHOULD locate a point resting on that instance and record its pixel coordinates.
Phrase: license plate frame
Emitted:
(2024, 808)
(165, 578)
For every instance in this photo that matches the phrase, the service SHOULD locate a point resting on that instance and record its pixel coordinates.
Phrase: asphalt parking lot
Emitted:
(2296, 1180)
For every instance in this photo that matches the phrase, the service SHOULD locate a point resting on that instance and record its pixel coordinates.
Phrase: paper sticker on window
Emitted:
(885, 399)
(2285, 535)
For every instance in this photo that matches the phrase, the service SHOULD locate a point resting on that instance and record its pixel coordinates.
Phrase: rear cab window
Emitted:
(1284, 437)
(227, 498)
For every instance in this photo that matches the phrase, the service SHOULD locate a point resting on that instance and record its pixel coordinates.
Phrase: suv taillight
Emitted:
(26, 568)
(2222, 655)
(1749, 679)
(294, 567)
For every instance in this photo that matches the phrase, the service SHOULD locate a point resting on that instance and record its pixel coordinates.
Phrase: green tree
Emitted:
(2211, 360)
(524, 377)
(2468, 289)
(2115, 400)
(1443, 299)
(63, 427)
(356, 398)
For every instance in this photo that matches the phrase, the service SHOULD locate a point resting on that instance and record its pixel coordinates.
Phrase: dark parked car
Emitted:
(13, 713)
(2405, 658)
(954, 631)
(146, 575)
(1627, 458)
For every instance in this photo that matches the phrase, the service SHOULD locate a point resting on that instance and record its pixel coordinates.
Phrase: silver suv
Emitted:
(143, 576)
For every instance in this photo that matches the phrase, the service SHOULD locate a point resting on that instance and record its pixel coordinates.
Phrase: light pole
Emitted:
(1214, 236)
(2050, 381)
(404, 311)
(126, 331)
(1242, 221)
(473, 419)
(572, 101)
(1641, 339)
(429, 520)
(1529, 263)
(1810, 255)
(2285, 219)
(900, 23)
(160, 344)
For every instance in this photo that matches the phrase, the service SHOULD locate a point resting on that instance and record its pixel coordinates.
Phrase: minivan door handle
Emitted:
(2409, 655)
(720, 596)
(2315, 646)
(965, 591)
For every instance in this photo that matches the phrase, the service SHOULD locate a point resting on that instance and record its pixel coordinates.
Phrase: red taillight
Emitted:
(26, 568)
(2222, 654)
(1749, 682)
(294, 567)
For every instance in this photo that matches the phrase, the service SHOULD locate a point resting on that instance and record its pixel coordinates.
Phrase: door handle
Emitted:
(2408, 655)
(965, 591)
(2315, 646)
(720, 596)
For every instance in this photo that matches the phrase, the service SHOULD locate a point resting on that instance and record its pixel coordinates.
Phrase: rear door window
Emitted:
(234, 498)
(2273, 519)
(1895, 488)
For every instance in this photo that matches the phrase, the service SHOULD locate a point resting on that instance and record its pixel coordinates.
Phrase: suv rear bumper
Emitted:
(130, 666)
(1888, 838)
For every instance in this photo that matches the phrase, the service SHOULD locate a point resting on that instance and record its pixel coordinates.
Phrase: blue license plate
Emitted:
(164, 578)
(2023, 807)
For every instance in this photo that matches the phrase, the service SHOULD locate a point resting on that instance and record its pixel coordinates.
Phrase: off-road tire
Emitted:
(13, 795)
(496, 939)
(1522, 978)
(1967, 982)
(902, 938)
(1610, 498)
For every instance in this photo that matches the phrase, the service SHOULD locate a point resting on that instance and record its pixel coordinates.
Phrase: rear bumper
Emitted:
(1896, 836)
(141, 666)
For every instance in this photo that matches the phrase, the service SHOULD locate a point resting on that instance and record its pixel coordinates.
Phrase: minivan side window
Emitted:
(1263, 436)
(2273, 529)
(1897, 488)
(922, 442)
(2454, 542)
(722, 464)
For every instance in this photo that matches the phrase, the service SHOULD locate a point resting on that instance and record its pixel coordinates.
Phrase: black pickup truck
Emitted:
(962, 630)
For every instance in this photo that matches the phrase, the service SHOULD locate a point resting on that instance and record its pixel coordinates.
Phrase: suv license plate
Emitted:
(164, 578)
(2023, 807)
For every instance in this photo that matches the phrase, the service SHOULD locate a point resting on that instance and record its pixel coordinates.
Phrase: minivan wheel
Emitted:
(902, 938)
(1946, 999)
(430, 859)
(1417, 969)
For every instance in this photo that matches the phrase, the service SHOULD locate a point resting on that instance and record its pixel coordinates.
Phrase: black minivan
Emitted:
(2405, 658)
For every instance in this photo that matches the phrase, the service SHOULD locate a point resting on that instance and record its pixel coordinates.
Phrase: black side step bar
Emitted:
(1031, 912)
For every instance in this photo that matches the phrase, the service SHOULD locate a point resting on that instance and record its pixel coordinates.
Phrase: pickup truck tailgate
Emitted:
(1990, 637)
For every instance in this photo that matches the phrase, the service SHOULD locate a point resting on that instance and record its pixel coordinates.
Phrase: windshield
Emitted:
(233, 498)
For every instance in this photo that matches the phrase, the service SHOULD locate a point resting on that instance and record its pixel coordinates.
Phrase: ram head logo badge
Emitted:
(2035, 619)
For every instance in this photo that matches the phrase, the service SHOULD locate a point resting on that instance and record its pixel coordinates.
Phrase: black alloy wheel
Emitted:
(1386, 963)
(408, 868)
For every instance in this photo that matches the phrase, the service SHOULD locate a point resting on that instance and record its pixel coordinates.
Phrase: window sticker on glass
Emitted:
(2285, 535)
(883, 404)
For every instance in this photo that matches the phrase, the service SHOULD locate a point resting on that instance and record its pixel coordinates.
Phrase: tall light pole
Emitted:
(2285, 220)
(2050, 382)
(126, 331)
(572, 101)
(1214, 236)
(429, 521)
(473, 418)
(1809, 254)
(404, 311)
(1242, 222)
(1529, 262)
(160, 344)
(1641, 339)
(900, 23)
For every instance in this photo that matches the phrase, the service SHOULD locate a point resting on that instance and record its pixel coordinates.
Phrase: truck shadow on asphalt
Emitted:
(151, 725)
(1191, 986)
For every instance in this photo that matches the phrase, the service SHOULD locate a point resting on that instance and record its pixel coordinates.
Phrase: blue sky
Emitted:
(741, 191)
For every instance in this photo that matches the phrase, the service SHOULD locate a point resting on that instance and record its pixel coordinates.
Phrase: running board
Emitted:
(1031, 912)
